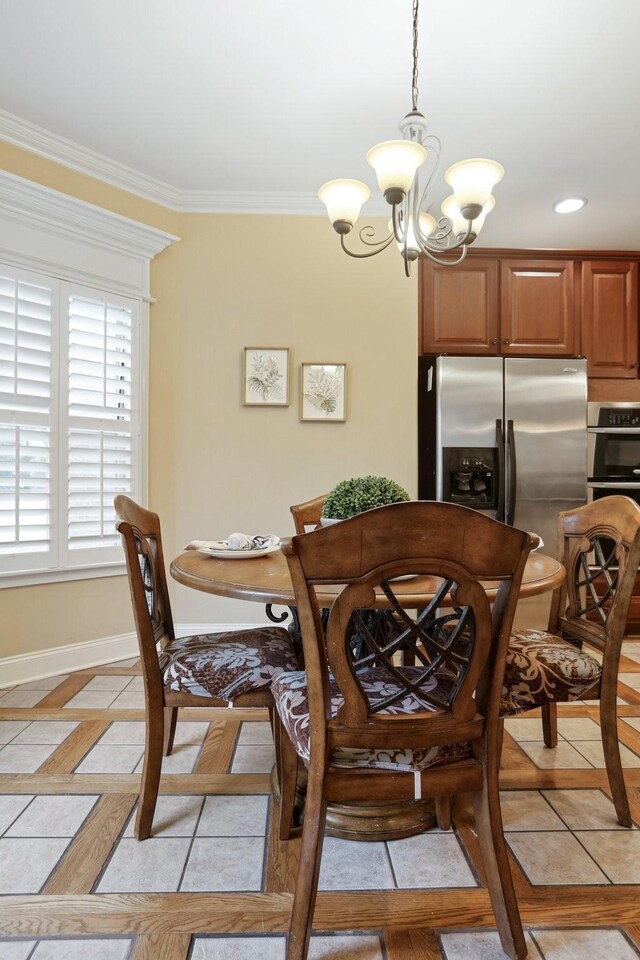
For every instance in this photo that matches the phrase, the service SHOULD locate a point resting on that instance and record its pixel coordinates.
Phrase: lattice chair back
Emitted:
(140, 531)
(459, 640)
(599, 545)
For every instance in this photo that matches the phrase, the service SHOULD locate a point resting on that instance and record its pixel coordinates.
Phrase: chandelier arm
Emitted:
(362, 256)
(442, 261)
(397, 219)
(369, 231)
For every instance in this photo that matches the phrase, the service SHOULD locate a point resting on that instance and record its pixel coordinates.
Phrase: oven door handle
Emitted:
(614, 486)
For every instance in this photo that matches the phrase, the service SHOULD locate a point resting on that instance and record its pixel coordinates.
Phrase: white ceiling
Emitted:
(251, 106)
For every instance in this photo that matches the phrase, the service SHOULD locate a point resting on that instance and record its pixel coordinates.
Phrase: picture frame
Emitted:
(323, 392)
(265, 381)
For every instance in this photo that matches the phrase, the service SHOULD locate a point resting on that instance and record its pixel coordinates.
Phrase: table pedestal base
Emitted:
(367, 821)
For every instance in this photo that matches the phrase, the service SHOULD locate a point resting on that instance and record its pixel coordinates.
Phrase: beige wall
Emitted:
(216, 466)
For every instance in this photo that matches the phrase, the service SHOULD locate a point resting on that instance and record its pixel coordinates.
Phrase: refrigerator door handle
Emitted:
(500, 470)
(511, 443)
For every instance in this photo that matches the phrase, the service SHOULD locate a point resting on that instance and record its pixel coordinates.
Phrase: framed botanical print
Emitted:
(323, 391)
(266, 377)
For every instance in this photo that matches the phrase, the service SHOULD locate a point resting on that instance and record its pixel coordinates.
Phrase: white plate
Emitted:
(224, 553)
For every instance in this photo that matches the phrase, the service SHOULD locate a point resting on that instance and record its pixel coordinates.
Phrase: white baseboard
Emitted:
(73, 656)
(92, 653)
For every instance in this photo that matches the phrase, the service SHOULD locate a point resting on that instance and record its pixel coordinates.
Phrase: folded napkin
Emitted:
(235, 541)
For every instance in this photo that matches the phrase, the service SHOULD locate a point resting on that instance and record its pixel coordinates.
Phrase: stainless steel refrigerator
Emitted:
(504, 435)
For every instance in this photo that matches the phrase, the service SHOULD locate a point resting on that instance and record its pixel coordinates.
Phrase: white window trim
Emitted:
(47, 232)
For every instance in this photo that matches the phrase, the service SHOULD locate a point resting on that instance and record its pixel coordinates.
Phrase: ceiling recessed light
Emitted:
(570, 205)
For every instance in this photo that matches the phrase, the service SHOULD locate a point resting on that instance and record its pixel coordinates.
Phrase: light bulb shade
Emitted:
(459, 225)
(343, 199)
(428, 225)
(473, 180)
(396, 162)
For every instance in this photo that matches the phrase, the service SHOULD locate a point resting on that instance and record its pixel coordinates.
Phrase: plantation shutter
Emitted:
(102, 420)
(27, 402)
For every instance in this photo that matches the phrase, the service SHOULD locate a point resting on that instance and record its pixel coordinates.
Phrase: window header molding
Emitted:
(47, 230)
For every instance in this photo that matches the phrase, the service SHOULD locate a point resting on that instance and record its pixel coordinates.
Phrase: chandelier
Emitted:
(396, 163)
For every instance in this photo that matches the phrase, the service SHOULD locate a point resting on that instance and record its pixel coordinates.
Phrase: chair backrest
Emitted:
(140, 532)
(307, 515)
(599, 545)
(459, 640)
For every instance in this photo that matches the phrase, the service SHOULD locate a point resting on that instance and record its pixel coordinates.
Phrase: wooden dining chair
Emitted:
(306, 516)
(208, 670)
(599, 545)
(368, 729)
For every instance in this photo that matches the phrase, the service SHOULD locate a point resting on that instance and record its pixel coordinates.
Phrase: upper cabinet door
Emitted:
(537, 308)
(459, 307)
(610, 317)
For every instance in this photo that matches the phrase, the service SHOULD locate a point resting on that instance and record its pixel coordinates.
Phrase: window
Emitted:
(70, 422)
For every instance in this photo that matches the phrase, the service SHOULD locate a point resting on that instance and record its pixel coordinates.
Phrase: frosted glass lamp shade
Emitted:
(473, 180)
(343, 199)
(451, 210)
(428, 225)
(395, 163)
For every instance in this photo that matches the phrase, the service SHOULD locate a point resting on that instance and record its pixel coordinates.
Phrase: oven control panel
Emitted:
(619, 417)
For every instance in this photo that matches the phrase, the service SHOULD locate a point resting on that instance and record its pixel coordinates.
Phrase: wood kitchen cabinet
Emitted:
(496, 306)
(610, 317)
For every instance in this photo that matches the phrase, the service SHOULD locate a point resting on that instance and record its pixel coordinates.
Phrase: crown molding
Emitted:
(24, 201)
(45, 144)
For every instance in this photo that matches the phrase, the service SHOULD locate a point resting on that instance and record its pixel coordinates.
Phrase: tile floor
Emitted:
(212, 834)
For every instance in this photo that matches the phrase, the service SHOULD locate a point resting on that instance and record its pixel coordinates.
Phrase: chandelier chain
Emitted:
(414, 75)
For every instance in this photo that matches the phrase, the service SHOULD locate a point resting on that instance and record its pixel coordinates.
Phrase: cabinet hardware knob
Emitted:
(495, 340)
(506, 340)
(634, 365)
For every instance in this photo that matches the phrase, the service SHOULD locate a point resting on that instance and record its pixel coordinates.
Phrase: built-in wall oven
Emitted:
(613, 445)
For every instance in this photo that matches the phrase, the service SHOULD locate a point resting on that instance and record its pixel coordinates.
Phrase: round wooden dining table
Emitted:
(266, 580)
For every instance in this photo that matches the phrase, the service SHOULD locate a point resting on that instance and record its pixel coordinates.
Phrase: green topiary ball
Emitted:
(358, 494)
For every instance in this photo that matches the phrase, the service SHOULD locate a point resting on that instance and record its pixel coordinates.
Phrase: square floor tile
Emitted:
(633, 722)
(190, 732)
(554, 858)
(239, 948)
(234, 816)
(102, 949)
(584, 809)
(53, 816)
(175, 816)
(21, 698)
(45, 683)
(129, 662)
(578, 728)
(11, 728)
(151, 866)
(11, 806)
(578, 944)
(258, 758)
(128, 701)
(345, 947)
(90, 700)
(25, 864)
(524, 728)
(106, 683)
(593, 751)
(24, 758)
(182, 759)
(430, 860)
(111, 758)
(562, 757)
(255, 731)
(124, 731)
(47, 731)
(351, 865)
(484, 945)
(617, 852)
(631, 680)
(16, 949)
(528, 810)
(224, 863)
(135, 685)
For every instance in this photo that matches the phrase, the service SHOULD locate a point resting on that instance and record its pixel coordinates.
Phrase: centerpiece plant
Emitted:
(358, 494)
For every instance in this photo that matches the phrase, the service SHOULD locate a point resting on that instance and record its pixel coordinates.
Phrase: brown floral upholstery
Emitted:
(225, 665)
(542, 668)
(291, 701)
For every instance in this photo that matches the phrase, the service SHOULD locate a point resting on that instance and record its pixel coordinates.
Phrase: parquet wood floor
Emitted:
(215, 882)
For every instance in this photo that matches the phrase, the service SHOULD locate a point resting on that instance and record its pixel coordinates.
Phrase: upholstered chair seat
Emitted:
(541, 668)
(226, 665)
(290, 696)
